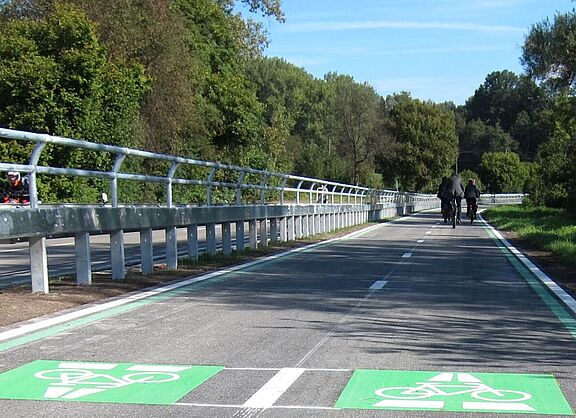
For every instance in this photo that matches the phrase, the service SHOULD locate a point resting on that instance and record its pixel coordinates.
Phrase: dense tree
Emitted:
(502, 172)
(549, 56)
(356, 123)
(549, 50)
(54, 78)
(427, 145)
(476, 138)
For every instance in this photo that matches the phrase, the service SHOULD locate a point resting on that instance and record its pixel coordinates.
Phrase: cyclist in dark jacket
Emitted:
(455, 189)
(444, 203)
(471, 193)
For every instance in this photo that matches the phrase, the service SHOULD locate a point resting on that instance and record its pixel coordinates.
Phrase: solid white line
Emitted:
(496, 406)
(428, 232)
(215, 405)
(406, 255)
(325, 408)
(420, 241)
(271, 391)
(543, 277)
(378, 285)
(275, 369)
(208, 405)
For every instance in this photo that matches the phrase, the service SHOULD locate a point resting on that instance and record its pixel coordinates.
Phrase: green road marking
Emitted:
(103, 382)
(553, 304)
(455, 392)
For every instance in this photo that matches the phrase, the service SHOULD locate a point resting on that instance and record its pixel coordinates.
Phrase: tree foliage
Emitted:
(427, 145)
(357, 124)
(548, 51)
(54, 78)
(502, 172)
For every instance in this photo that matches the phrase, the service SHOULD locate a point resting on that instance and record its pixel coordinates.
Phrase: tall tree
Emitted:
(549, 51)
(427, 145)
(357, 123)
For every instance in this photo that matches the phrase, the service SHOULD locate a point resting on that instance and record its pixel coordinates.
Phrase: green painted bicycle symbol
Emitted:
(440, 387)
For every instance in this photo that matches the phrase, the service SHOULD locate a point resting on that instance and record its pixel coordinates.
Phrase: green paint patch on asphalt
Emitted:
(103, 382)
(454, 391)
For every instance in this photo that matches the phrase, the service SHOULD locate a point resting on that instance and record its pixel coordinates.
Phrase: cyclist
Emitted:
(454, 189)
(471, 193)
(16, 188)
(444, 203)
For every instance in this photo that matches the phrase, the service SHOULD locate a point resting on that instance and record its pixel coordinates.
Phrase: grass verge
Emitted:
(539, 228)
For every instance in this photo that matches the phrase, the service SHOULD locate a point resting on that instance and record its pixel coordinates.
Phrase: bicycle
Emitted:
(453, 212)
(477, 390)
(472, 209)
(71, 377)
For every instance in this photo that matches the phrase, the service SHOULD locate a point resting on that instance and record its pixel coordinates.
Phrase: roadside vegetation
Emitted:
(540, 228)
(190, 78)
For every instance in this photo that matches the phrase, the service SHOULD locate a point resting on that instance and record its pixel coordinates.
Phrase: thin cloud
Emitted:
(387, 24)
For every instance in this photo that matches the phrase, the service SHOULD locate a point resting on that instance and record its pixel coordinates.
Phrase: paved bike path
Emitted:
(298, 335)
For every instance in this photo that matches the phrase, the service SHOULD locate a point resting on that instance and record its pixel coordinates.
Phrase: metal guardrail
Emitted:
(315, 190)
(502, 199)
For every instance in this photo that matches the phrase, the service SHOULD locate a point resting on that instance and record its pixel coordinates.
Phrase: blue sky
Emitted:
(439, 50)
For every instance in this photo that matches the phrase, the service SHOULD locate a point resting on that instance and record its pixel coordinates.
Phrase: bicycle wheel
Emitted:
(64, 374)
(404, 393)
(150, 377)
(496, 395)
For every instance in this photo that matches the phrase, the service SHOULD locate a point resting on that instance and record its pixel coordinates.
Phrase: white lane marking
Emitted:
(406, 255)
(543, 277)
(411, 404)
(420, 241)
(216, 405)
(275, 369)
(379, 284)
(428, 232)
(271, 391)
(496, 406)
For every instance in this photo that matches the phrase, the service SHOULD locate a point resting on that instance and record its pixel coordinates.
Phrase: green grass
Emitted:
(539, 227)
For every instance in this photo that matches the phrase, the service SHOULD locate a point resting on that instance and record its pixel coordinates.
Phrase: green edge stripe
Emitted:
(553, 304)
(48, 332)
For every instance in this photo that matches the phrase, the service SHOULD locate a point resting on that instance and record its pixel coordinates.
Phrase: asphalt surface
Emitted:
(287, 334)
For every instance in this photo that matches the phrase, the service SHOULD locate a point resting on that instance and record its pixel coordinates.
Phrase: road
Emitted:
(406, 319)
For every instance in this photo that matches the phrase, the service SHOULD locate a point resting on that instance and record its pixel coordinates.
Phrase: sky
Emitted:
(438, 50)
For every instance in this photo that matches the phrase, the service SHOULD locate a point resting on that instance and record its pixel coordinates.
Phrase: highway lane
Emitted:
(14, 258)
(324, 332)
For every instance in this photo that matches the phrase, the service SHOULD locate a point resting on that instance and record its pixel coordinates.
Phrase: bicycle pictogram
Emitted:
(73, 383)
(441, 386)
